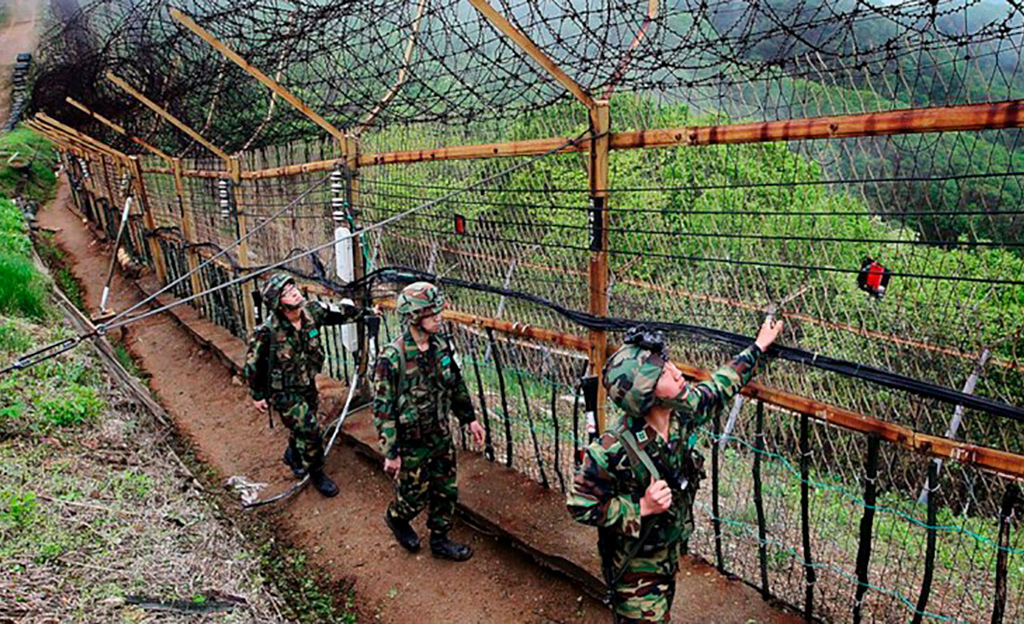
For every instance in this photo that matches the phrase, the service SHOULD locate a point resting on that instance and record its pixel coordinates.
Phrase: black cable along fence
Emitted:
(840, 521)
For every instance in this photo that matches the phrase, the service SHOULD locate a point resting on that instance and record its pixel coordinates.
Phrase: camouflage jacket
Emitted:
(281, 357)
(432, 385)
(607, 488)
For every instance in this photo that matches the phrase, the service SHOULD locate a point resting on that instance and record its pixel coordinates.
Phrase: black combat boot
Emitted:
(444, 548)
(294, 463)
(323, 483)
(404, 533)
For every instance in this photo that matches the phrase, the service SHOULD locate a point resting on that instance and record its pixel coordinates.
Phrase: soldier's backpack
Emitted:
(637, 457)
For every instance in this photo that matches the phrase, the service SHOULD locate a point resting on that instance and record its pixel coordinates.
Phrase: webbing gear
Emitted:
(398, 406)
(637, 456)
(635, 453)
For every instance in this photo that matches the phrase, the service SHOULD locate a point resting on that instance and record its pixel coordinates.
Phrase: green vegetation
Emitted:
(679, 225)
(966, 543)
(313, 597)
(80, 469)
(22, 286)
(37, 180)
(55, 258)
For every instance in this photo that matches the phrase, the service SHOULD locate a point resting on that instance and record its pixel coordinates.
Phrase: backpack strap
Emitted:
(637, 456)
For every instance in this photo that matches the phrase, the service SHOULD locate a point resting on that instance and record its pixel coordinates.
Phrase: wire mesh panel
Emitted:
(731, 229)
(306, 223)
(163, 199)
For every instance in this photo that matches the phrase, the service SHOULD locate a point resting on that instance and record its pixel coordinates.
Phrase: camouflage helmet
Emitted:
(418, 300)
(274, 288)
(632, 372)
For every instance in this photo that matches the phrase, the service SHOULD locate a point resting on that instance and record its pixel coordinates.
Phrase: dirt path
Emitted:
(345, 535)
(20, 34)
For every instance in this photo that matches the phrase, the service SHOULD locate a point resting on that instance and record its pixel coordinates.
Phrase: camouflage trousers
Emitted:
(297, 409)
(427, 479)
(646, 589)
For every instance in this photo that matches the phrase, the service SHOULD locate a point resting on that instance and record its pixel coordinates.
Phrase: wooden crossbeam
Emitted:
(973, 117)
(83, 137)
(270, 83)
(520, 39)
(159, 110)
(118, 128)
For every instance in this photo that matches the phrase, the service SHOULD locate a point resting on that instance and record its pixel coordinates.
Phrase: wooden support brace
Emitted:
(98, 145)
(61, 141)
(627, 57)
(147, 219)
(159, 110)
(55, 134)
(520, 39)
(271, 84)
(118, 128)
(402, 74)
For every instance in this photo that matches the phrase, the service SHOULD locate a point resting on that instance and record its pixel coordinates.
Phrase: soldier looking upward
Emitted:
(638, 480)
(285, 354)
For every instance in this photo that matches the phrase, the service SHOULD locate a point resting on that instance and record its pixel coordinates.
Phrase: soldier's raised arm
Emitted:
(345, 311)
(727, 380)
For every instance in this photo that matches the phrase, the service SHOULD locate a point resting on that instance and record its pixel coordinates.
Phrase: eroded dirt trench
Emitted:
(345, 535)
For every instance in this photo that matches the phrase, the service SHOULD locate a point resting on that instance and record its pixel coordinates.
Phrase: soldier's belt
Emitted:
(419, 431)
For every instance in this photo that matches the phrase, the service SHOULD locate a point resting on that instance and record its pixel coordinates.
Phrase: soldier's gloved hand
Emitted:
(393, 466)
(261, 406)
(478, 434)
(657, 499)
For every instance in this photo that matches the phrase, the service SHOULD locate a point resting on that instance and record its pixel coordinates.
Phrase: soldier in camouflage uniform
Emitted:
(418, 381)
(285, 354)
(638, 480)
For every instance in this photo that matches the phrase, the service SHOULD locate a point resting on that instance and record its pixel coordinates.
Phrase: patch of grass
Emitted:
(37, 181)
(126, 360)
(12, 338)
(70, 406)
(12, 412)
(23, 288)
(130, 485)
(18, 510)
(306, 589)
(55, 258)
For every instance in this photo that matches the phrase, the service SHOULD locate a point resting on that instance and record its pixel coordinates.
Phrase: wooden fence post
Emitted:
(600, 124)
(148, 221)
(235, 168)
(188, 229)
(350, 150)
